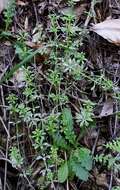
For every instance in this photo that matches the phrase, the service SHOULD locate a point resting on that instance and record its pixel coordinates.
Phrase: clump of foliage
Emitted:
(79, 164)
(15, 157)
(42, 110)
(111, 160)
(9, 14)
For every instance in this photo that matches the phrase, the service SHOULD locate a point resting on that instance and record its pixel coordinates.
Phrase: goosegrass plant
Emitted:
(9, 14)
(16, 157)
(52, 131)
(86, 117)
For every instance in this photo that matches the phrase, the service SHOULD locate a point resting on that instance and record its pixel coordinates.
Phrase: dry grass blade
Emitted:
(109, 29)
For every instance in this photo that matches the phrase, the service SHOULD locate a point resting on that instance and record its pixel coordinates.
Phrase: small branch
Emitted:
(111, 180)
(5, 127)
(89, 16)
(67, 184)
(5, 176)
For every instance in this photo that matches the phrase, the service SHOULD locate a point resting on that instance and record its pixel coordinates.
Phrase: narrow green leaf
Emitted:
(67, 118)
(9, 74)
(63, 173)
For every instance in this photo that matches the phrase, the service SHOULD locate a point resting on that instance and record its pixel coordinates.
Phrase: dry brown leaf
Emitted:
(21, 3)
(107, 108)
(19, 78)
(109, 29)
(3, 4)
(101, 180)
(79, 10)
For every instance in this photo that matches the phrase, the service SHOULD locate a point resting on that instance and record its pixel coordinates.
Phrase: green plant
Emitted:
(67, 128)
(52, 124)
(80, 163)
(13, 103)
(30, 91)
(39, 136)
(54, 24)
(116, 188)
(72, 2)
(54, 77)
(22, 36)
(22, 50)
(54, 155)
(58, 98)
(114, 145)
(9, 13)
(63, 172)
(111, 160)
(24, 112)
(101, 81)
(85, 117)
(108, 161)
(48, 109)
(16, 157)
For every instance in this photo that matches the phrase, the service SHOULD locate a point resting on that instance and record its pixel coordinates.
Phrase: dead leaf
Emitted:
(21, 3)
(107, 108)
(40, 58)
(3, 4)
(108, 29)
(19, 78)
(79, 10)
(101, 178)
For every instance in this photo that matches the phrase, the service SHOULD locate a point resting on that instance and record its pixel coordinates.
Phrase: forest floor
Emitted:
(59, 97)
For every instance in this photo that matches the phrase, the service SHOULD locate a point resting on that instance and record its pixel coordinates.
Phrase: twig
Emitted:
(1, 184)
(5, 176)
(116, 104)
(67, 184)
(35, 11)
(95, 143)
(6, 159)
(5, 127)
(118, 5)
(3, 103)
(111, 180)
(89, 16)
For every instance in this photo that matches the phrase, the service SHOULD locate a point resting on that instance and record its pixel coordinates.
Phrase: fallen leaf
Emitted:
(40, 58)
(19, 78)
(79, 10)
(101, 178)
(107, 108)
(21, 3)
(3, 4)
(108, 29)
